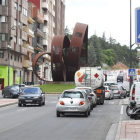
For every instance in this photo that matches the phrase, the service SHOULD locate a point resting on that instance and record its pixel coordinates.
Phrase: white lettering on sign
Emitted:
(139, 36)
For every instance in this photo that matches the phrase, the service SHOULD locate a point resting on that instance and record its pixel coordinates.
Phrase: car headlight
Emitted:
(21, 97)
(36, 97)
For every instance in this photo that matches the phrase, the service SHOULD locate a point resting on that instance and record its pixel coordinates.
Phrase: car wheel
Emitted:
(3, 95)
(19, 104)
(102, 102)
(43, 103)
(24, 104)
(57, 113)
(11, 96)
(86, 114)
(89, 112)
(125, 96)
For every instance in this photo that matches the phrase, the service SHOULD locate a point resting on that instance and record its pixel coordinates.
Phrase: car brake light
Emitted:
(99, 91)
(82, 102)
(118, 91)
(133, 94)
(106, 91)
(61, 102)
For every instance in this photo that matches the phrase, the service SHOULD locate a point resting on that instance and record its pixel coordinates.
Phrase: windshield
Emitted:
(114, 88)
(31, 90)
(70, 94)
(14, 88)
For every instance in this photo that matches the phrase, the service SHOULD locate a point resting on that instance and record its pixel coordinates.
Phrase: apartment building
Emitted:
(59, 17)
(13, 18)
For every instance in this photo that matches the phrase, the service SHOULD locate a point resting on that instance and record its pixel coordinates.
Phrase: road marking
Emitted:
(54, 102)
(121, 112)
(111, 103)
(22, 109)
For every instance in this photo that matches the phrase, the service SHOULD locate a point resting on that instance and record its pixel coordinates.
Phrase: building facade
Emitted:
(13, 18)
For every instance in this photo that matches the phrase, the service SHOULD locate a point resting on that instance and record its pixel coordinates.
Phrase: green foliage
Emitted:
(101, 51)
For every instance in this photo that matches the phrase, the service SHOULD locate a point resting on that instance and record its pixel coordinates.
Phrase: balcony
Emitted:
(39, 48)
(46, 17)
(30, 20)
(23, 50)
(53, 13)
(27, 63)
(29, 32)
(45, 42)
(37, 14)
(45, 29)
(40, 33)
(30, 49)
(53, 25)
(23, 35)
(44, 5)
(17, 48)
(22, 18)
(47, 57)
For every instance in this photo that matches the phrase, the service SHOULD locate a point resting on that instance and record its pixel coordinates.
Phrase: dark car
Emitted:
(120, 78)
(32, 95)
(11, 91)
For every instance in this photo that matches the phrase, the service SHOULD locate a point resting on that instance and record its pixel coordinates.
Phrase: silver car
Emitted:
(73, 101)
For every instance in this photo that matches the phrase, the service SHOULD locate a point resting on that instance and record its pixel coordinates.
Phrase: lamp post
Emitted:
(9, 47)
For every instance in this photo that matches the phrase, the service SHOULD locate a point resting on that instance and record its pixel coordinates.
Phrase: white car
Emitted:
(91, 93)
(108, 93)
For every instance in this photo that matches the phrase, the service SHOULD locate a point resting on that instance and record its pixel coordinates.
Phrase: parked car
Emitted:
(91, 93)
(31, 95)
(109, 83)
(21, 86)
(135, 92)
(11, 91)
(108, 93)
(73, 101)
(118, 91)
(120, 78)
(110, 74)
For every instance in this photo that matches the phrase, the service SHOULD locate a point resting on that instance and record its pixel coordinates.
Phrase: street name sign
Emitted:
(137, 25)
(131, 72)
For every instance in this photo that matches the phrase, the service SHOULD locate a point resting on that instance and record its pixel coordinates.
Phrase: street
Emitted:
(35, 122)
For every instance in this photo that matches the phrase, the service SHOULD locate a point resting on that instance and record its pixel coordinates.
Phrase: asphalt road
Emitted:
(41, 123)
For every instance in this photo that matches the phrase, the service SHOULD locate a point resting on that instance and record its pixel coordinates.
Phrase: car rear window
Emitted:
(70, 94)
(114, 88)
(31, 90)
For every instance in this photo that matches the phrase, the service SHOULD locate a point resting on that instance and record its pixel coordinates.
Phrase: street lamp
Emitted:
(9, 47)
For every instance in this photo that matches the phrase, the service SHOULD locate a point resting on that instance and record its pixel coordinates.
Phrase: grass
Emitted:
(56, 87)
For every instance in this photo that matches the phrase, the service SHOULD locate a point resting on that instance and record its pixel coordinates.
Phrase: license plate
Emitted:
(28, 100)
(71, 108)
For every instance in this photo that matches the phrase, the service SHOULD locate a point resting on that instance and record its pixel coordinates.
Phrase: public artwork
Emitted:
(67, 56)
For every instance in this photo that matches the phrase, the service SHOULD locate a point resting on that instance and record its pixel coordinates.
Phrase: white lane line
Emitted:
(54, 102)
(121, 112)
(111, 103)
(22, 109)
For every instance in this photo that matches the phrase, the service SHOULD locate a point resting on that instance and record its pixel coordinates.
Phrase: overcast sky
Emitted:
(111, 16)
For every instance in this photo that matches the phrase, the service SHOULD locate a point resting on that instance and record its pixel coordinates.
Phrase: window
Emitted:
(21, 59)
(11, 57)
(15, 57)
(1, 54)
(18, 58)
(19, 41)
(15, 22)
(15, 6)
(2, 18)
(20, 8)
(3, 2)
(24, 12)
(3, 37)
(15, 39)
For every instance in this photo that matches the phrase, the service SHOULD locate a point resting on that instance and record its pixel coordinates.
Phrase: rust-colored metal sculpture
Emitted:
(67, 57)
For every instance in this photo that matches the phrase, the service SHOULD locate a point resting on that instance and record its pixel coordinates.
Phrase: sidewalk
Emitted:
(7, 102)
(128, 130)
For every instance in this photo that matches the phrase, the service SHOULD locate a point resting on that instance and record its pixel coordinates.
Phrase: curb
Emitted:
(8, 104)
(118, 131)
(53, 93)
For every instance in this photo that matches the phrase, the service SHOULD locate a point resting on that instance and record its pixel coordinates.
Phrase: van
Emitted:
(135, 92)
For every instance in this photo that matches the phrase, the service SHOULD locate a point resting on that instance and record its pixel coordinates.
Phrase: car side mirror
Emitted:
(43, 93)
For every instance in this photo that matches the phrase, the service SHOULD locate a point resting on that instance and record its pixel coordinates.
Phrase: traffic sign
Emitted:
(132, 72)
(137, 25)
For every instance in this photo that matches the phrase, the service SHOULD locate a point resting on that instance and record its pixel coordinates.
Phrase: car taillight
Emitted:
(118, 91)
(82, 102)
(61, 102)
(133, 94)
(106, 91)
